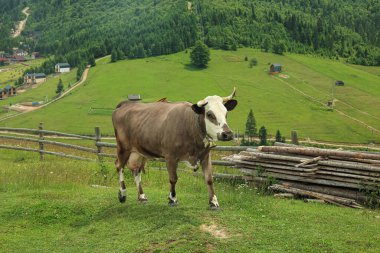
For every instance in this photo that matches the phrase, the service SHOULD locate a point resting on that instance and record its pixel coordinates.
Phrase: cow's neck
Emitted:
(206, 141)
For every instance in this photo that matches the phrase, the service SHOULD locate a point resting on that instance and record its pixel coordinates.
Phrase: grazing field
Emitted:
(52, 206)
(293, 101)
(44, 90)
(9, 74)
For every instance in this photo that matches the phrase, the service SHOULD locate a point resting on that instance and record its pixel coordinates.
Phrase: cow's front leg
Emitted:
(140, 193)
(172, 170)
(207, 171)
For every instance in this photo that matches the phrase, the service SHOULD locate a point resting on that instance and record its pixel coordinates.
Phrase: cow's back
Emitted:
(156, 129)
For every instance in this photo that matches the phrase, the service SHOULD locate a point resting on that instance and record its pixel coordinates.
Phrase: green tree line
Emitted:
(78, 30)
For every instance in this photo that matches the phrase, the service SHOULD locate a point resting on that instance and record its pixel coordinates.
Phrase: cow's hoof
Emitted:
(214, 207)
(121, 197)
(143, 199)
(173, 202)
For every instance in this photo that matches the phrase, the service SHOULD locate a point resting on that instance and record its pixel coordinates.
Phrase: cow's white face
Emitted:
(215, 111)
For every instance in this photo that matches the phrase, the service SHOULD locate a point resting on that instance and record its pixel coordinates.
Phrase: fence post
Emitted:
(294, 137)
(41, 144)
(98, 139)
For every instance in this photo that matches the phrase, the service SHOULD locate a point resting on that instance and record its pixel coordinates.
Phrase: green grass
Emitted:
(14, 71)
(277, 102)
(50, 206)
(45, 89)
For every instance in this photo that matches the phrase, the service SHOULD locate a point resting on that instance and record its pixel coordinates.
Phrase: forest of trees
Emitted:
(80, 30)
(10, 13)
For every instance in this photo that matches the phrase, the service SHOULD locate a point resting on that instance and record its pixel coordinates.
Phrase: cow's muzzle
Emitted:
(225, 136)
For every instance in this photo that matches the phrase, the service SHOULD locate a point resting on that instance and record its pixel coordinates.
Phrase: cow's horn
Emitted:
(201, 103)
(225, 99)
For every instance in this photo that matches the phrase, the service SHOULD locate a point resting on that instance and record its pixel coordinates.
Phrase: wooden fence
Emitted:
(41, 134)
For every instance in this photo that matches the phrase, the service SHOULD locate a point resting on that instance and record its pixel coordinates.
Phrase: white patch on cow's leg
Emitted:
(141, 195)
(138, 179)
(121, 175)
(214, 202)
(123, 191)
(193, 167)
(172, 199)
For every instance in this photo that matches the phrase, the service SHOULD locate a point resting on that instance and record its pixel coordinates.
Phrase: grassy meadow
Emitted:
(295, 101)
(10, 73)
(52, 206)
(45, 89)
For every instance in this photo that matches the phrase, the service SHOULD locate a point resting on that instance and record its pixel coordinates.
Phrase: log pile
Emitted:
(334, 176)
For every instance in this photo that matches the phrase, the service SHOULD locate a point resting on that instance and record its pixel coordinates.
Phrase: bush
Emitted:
(253, 62)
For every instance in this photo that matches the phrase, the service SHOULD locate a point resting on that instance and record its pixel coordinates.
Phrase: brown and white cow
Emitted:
(177, 132)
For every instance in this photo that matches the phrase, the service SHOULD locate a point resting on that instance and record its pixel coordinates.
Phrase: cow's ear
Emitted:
(230, 104)
(198, 109)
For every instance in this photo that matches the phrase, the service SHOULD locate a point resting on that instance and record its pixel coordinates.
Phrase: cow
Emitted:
(174, 131)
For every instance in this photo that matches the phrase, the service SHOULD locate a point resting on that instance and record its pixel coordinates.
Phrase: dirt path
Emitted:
(22, 23)
(27, 109)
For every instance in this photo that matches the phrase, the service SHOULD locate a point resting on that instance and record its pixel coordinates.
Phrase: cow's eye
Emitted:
(211, 116)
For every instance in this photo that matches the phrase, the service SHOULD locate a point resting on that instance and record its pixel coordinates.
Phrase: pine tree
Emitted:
(278, 136)
(266, 45)
(114, 56)
(200, 56)
(279, 48)
(250, 125)
(140, 51)
(91, 61)
(59, 87)
(263, 135)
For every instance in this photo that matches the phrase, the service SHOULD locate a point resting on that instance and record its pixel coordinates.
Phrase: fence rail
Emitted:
(98, 150)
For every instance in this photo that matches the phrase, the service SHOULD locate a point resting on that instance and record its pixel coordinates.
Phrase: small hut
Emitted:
(134, 97)
(275, 68)
(10, 90)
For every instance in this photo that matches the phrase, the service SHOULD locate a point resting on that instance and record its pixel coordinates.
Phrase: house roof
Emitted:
(8, 87)
(37, 75)
(19, 58)
(40, 75)
(276, 65)
(63, 65)
(134, 97)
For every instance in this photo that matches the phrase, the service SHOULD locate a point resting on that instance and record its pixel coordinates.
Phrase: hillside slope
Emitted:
(292, 103)
(80, 29)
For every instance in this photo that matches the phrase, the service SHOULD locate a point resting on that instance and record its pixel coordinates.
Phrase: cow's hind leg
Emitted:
(122, 158)
(140, 193)
(172, 170)
(136, 164)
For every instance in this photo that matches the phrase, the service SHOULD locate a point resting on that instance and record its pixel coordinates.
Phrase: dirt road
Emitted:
(26, 109)
(22, 23)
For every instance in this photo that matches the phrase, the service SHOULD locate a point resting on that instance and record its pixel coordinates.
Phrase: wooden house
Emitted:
(20, 52)
(134, 97)
(275, 68)
(8, 91)
(62, 68)
(35, 78)
(2, 94)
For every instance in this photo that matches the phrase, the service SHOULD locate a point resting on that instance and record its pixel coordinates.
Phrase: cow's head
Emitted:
(215, 109)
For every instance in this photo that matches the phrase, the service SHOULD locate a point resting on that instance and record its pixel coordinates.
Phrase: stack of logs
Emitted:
(333, 176)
